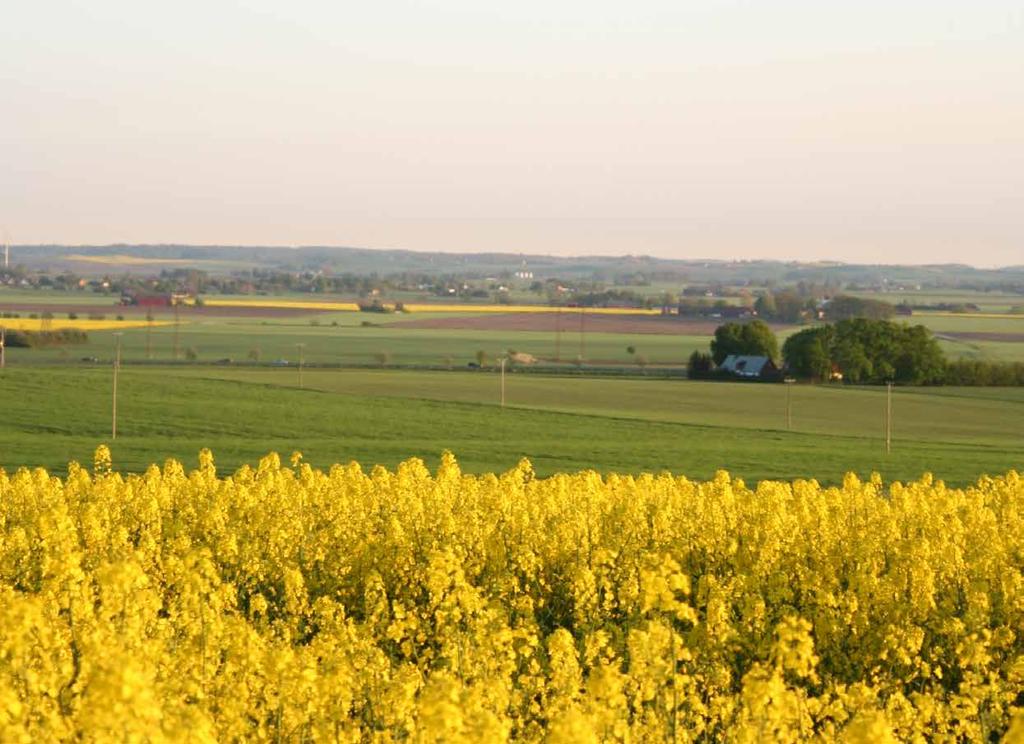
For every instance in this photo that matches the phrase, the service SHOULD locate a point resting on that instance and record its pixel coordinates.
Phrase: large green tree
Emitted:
(808, 353)
(754, 338)
(866, 351)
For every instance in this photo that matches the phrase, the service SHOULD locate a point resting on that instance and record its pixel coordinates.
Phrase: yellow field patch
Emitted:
(284, 304)
(284, 602)
(117, 259)
(58, 324)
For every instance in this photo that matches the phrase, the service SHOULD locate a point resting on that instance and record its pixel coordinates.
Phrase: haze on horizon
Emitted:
(859, 132)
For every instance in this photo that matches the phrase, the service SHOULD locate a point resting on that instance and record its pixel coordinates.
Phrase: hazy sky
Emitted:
(859, 131)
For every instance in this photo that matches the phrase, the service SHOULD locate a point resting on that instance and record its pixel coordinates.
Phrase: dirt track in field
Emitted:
(568, 321)
(985, 336)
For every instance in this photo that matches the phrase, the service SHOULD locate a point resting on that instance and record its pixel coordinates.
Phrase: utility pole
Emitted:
(177, 327)
(117, 367)
(583, 345)
(789, 402)
(888, 417)
(3, 346)
(558, 335)
(149, 334)
(301, 347)
(503, 382)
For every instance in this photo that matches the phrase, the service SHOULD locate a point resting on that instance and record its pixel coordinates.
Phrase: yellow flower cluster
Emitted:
(79, 324)
(286, 603)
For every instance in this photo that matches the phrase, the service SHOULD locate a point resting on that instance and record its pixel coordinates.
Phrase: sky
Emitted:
(868, 131)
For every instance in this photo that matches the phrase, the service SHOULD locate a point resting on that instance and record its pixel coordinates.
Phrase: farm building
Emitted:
(750, 367)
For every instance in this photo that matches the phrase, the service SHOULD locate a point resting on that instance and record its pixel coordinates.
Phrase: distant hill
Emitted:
(220, 259)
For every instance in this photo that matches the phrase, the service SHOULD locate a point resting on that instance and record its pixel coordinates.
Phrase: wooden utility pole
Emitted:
(301, 347)
(503, 382)
(149, 334)
(177, 328)
(583, 343)
(558, 335)
(888, 417)
(117, 367)
(3, 346)
(789, 403)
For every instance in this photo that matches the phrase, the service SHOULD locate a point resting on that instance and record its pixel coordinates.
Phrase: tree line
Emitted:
(855, 350)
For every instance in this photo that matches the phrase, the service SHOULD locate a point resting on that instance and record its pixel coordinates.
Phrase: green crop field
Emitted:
(350, 342)
(341, 338)
(350, 338)
(57, 401)
(55, 414)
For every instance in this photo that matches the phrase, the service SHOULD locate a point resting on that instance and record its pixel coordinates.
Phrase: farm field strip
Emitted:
(79, 324)
(415, 307)
(962, 418)
(171, 412)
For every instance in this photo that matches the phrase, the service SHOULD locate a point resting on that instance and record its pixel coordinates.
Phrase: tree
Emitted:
(765, 306)
(843, 307)
(700, 365)
(807, 353)
(790, 306)
(867, 351)
(754, 338)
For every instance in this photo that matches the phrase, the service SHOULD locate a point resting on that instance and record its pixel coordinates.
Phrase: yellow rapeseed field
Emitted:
(286, 603)
(425, 307)
(79, 324)
(297, 304)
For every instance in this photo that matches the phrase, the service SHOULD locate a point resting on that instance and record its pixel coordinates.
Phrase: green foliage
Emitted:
(700, 366)
(844, 307)
(867, 351)
(45, 339)
(754, 338)
(980, 372)
(808, 352)
(786, 306)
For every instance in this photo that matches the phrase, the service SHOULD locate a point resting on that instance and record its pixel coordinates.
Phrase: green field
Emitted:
(350, 342)
(342, 338)
(361, 339)
(56, 414)
(57, 402)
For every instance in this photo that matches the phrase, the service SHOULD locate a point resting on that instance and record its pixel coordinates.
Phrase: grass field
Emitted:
(350, 342)
(342, 338)
(55, 414)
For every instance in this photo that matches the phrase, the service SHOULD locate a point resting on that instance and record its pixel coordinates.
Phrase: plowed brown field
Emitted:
(569, 321)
